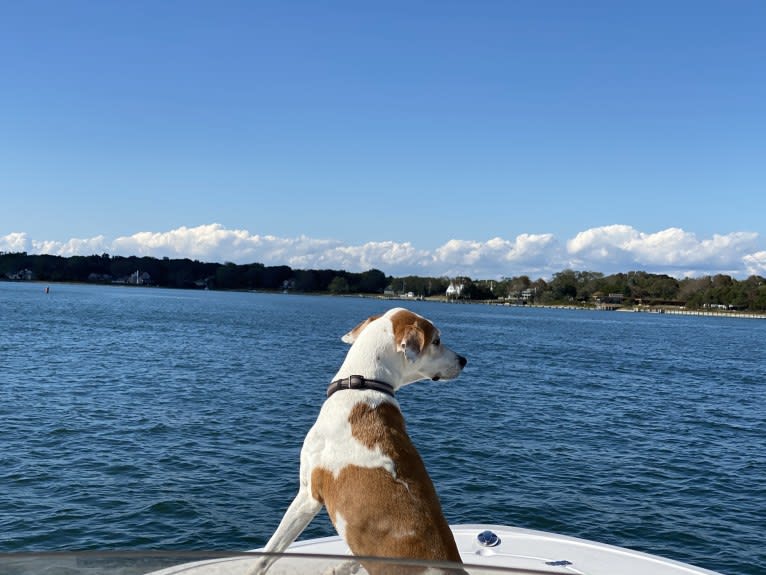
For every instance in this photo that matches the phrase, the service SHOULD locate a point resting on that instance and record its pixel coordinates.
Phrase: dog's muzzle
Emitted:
(460, 359)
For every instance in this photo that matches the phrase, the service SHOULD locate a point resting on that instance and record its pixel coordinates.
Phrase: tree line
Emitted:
(185, 273)
(719, 291)
(568, 286)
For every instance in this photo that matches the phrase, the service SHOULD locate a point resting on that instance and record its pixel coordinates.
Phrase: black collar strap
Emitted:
(359, 382)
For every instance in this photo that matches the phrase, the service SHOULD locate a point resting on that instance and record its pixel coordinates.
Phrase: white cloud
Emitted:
(381, 255)
(673, 251)
(606, 249)
(756, 263)
(533, 253)
(14, 242)
(73, 247)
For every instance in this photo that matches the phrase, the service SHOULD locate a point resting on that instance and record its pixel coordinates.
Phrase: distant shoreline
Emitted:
(657, 310)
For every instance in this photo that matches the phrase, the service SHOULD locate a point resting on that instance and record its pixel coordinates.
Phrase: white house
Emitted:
(454, 290)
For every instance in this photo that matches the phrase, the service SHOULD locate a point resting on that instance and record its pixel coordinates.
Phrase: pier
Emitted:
(699, 312)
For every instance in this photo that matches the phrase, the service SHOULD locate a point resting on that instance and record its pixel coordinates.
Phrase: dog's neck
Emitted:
(359, 382)
(372, 360)
(369, 370)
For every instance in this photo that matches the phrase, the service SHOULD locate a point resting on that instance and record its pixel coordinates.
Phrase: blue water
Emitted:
(136, 418)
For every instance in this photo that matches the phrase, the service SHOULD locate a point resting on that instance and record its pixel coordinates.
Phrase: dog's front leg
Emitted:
(300, 513)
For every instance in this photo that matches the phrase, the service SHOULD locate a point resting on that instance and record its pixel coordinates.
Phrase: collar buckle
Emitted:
(359, 382)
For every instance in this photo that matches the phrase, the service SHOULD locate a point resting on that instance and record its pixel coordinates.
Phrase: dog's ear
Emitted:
(351, 336)
(411, 332)
(411, 342)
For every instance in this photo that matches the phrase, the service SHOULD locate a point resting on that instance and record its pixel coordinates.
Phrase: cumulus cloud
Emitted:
(673, 251)
(756, 263)
(14, 242)
(72, 247)
(608, 249)
(533, 253)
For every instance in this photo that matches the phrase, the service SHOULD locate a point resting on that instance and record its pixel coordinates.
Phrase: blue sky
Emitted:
(476, 138)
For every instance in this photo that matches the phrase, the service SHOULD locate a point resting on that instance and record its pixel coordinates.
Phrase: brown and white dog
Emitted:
(358, 460)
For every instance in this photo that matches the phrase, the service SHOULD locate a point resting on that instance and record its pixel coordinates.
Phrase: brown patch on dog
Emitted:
(386, 515)
(412, 331)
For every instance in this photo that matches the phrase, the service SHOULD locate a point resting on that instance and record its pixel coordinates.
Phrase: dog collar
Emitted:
(359, 382)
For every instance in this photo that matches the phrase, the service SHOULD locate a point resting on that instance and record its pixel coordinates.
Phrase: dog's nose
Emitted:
(462, 361)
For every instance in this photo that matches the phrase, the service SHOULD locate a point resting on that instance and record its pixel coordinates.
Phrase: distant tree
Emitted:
(305, 280)
(275, 276)
(227, 276)
(616, 283)
(483, 290)
(690, 290)
(372, 281)
(519, 284)
(339, 285)
(563, 286)
(539, 287)
(663, 287)
(253, 276)
(121, 267)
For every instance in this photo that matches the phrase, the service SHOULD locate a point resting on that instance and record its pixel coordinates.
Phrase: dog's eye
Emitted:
(437, 341)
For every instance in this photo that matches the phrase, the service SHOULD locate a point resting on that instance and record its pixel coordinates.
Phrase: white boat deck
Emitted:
(516, 550)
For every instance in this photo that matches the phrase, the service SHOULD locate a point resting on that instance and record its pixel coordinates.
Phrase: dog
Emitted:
(358, 461)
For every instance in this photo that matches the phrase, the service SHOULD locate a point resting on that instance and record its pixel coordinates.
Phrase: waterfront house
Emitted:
(454, 290)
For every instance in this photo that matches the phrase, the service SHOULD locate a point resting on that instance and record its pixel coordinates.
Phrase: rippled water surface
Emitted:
(157, 419)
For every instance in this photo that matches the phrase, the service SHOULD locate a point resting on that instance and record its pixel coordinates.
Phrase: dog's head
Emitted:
(411, 342)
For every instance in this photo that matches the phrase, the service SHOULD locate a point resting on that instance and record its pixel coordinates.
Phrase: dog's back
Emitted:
(389, 510)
